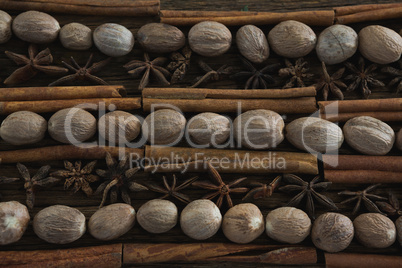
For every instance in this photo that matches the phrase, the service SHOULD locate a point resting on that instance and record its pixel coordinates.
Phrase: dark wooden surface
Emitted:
(116, 74)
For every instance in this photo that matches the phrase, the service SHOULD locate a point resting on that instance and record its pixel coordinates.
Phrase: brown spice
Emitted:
(364, 196)
(179, 64)
(397, 74)
(263, 190)
(298, 73)
(392, 208)
(211, 74)
(331, 84)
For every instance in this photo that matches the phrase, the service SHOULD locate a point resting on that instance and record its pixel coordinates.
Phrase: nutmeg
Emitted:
(380, 44)
(113, 39)
(59, 224)
(160, 38)
(252, 43)
(76, 36)
(398, 225)
(336, 44)
(210, 38)
(112, 221)
(119, 126)
(72, 125)
(399, 140)
(157, 216)
(259, 129)
(200, 219)
(314, 134)
(292, 39)
(5, 27)
(332, 232)
(23, 127)
(164, 127)
(243, 223)
(36, 27)
(14, 219)
(369, 135)
(287, 225)
(374, 230)
(209, 129)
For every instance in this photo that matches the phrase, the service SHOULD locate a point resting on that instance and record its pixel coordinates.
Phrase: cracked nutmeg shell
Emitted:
(59, 224)
(369, 135)
(157, 216)
(398, 224)
(113, 39)
(160, 38)
(209, 129)
(332, 232)
(5, 27)
(76, 36)
(14, 219)
(119, 126)
(252, 43)
(399, 140)
(374, 230)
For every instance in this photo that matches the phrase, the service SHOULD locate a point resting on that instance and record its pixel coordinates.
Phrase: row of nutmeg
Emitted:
(200, 220)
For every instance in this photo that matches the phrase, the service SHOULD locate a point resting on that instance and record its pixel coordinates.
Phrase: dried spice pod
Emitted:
(288, 225)
(314, 134)
(119, 126)
(369, 135)
(112, 221)
(252, 43)
(398, 224)
(24, 127)
(157, 216)
(36, 27)
(292, 39)
(160, 38)
(59, 224)
(336, 44)
(399, 140)
(380, 44)
(14, 219)
(374, 230)
(113, 39)
(76, 36)
(5, 27)
(210, 38)
(209, 129)
(332, 232)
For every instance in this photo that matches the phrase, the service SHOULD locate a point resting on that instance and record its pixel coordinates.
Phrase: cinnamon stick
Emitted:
(236, 18)
(47, 106)
(372, 15)
(362, 162)
(98, 256)
(346, 10)
(362, 176)
(383, 116)
(355, 106)
(355, 260)
(91, 7)
(65, 152)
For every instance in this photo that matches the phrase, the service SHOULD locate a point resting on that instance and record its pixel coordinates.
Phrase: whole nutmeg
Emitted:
(209, 38)
(119, 126)
(380, 44)
(59, 224)
(292, 39)
(157, 216)
(5, 27)
(369, 135)
(243, 223)
(398, 225)
(200, 219)
(332, 232)
(259, 129)
(14, 219)
(288, 225)
(374, 230)
(72, 125)
(160, 38)
(399, 140)
(336, 44)
(164, 126)
(36, 27)
(314, 134)
(113, 39)
(112, 221)
(252, 43)
(23, 127)
(76, 36)
(209, 129)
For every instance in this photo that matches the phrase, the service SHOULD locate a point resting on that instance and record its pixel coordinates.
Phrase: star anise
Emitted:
(77, 176)
(397, 73)
(149, 68)
(262, 190)
(220, 188)
(212, 75)
(365, 197)
(4, 180)
(118, 179)
(362, 77)
(179, 64)
(392, 208)
(40, 179)
(256, 79)
(308, 190)
(331, 84)
(298, 73)
(173, 190)
(37, 62)
(82, 73)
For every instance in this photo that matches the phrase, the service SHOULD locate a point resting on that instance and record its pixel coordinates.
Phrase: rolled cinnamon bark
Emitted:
(383, 116)
(362, 176)
(372, 15)
(346, 10)
(355, 106)
(355, 260)
(362, 162)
